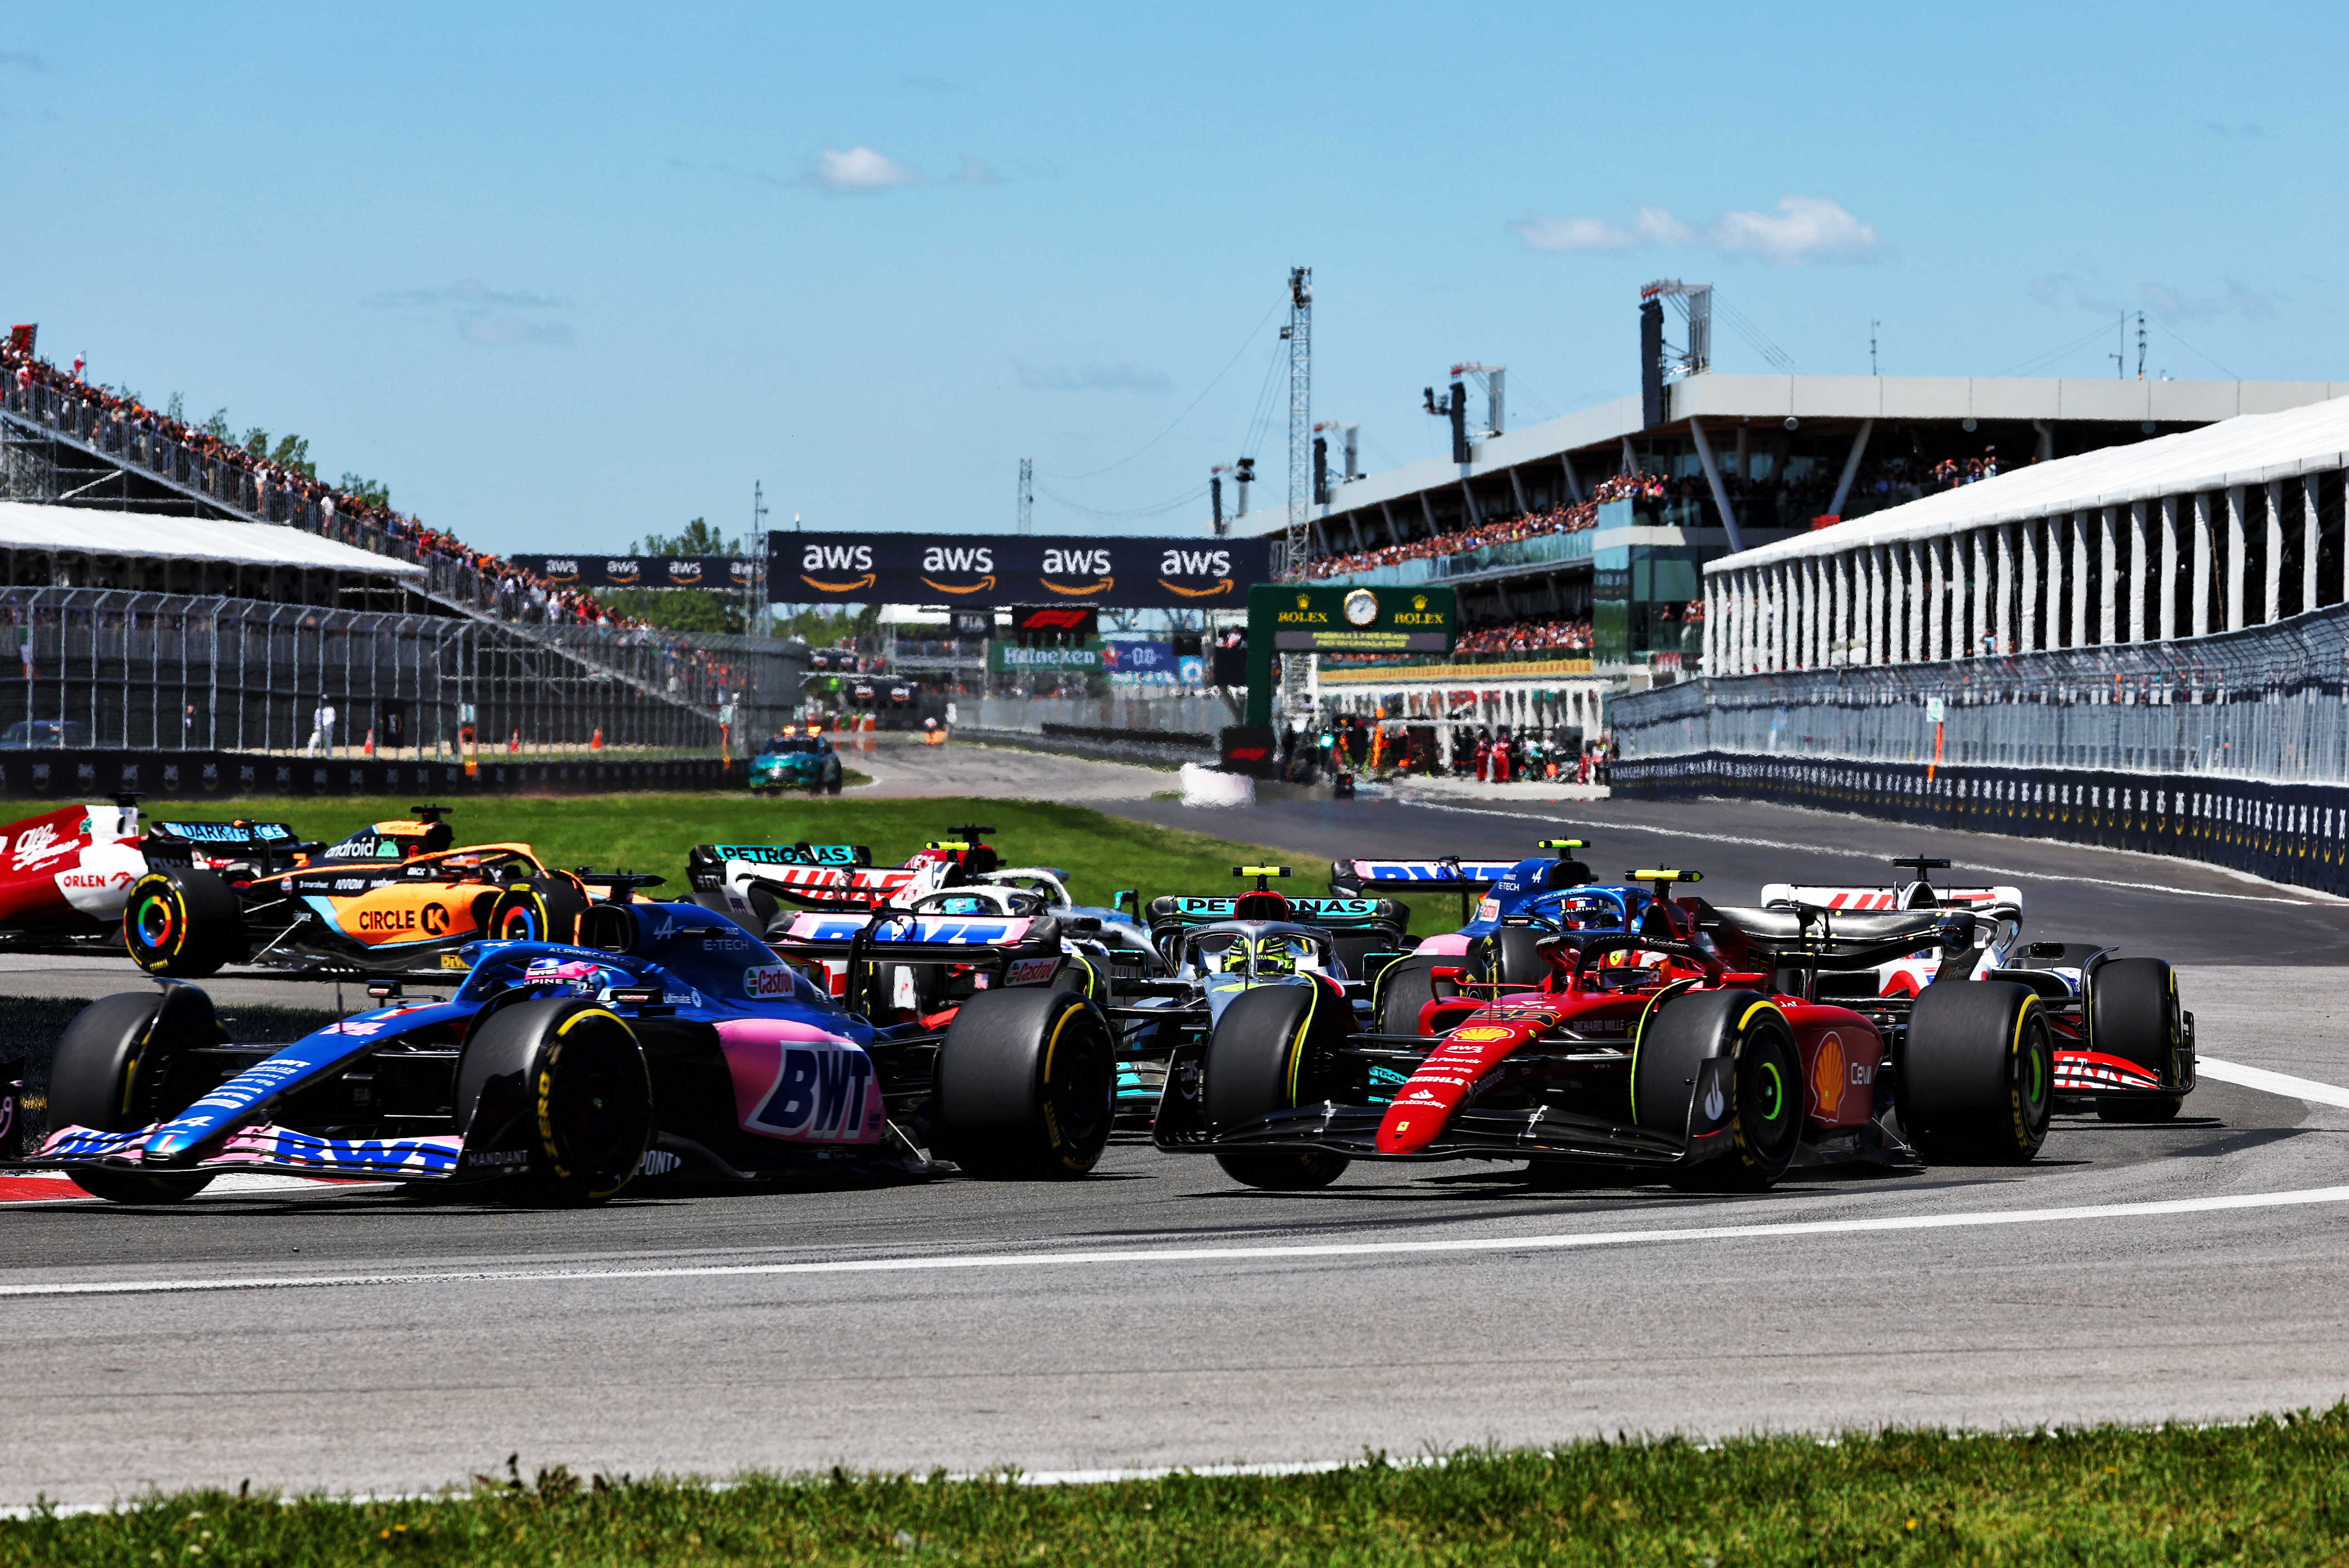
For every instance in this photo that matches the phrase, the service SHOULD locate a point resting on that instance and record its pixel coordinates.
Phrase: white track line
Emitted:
(1845, 849)
(951, 1262)
(2272, 1083)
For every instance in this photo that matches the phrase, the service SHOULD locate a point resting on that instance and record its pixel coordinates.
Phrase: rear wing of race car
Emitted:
(1011, 949)
(799, 853)
(1447, 874)
(1334, 913)
(1992, 903)
(272, 846)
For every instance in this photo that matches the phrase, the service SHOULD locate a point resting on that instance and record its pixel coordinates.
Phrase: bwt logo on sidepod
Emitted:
(820, 1089)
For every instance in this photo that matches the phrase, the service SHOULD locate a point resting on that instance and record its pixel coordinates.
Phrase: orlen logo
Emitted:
(939, 558)
(837, 559)
(92, 879)
(767, 981)
(1196, 564)
(1076, 562)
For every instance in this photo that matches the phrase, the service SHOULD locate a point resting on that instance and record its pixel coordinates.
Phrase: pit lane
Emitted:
(1255, 1355)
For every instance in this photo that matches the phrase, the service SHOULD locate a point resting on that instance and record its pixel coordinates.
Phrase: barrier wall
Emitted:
(2291, 833)
(228, 775)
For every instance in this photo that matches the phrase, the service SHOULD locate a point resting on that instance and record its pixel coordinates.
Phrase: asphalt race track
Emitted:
(1158, 1314)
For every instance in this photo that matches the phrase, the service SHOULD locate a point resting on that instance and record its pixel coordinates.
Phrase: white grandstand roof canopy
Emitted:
(85, 531)
(2251, 450)
(1724, 402)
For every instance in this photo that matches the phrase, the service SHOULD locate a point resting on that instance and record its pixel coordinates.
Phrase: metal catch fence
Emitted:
(141, 671)
(2267, 704)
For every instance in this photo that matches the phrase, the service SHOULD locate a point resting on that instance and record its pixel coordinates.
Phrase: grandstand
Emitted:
(2145, 647)
(169, 591)
(1609, 515)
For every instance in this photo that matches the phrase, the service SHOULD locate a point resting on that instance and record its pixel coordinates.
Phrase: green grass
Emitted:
(653, 832)
(2273, 1491)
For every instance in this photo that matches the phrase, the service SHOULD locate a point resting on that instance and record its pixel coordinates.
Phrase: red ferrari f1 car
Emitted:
(1711, 1058)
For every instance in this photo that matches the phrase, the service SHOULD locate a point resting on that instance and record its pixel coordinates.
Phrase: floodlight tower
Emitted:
(1492, 376)
(1301, 416)
(1027, 494)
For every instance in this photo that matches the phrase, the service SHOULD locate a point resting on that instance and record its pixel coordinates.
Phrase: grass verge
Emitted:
(653, 832)
(2276, 1491)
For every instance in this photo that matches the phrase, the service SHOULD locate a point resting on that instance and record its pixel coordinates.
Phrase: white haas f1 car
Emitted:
(751, 883)
(2122, 1043)
(67, 874)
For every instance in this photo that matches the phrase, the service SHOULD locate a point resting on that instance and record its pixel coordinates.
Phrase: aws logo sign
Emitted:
(1196, 564)
(940, 558)
(1076, 562)
(837, 558)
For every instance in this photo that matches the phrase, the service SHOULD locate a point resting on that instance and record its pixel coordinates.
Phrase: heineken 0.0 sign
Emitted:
(1354, 620)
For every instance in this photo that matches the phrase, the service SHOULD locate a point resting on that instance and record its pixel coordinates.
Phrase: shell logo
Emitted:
(1828, 1074)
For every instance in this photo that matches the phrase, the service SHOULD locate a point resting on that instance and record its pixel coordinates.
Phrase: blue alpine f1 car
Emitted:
(669, 1045)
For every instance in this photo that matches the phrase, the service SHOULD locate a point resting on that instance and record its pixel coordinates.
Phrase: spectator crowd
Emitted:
(1556, 635)
(280, 489)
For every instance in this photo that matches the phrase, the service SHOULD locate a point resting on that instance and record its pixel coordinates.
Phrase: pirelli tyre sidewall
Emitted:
(112, 1071)
(554, 1095)
(539, 909)
(1270, 1052)
(1761, 1093)
(1025, 1085)
(183, 922)
(1974, 1076)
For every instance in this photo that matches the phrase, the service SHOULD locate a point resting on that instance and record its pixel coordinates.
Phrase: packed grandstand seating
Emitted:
(1881, 484)
(1556, 635)
(249, 482)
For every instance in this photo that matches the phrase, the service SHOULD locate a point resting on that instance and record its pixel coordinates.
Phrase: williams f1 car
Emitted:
(677, 1048)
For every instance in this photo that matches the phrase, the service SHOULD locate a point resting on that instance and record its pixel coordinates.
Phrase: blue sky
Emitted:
(562, 274)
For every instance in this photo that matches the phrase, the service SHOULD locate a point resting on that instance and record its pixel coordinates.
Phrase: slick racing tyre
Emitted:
(2133, 1013)
(182, 923)
(1024, 1085)
(1975, 1080)
(1270, 1050)
(540, 910)
(1409, 985)
(1510, 957)
(555, 1090)
(118, 1067)
(1760, 1106)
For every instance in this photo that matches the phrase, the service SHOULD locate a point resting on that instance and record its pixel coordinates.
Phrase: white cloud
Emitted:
(1573, 235)
(861, 169)
(1804, 228)
(503, 331)
(1118, 378)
